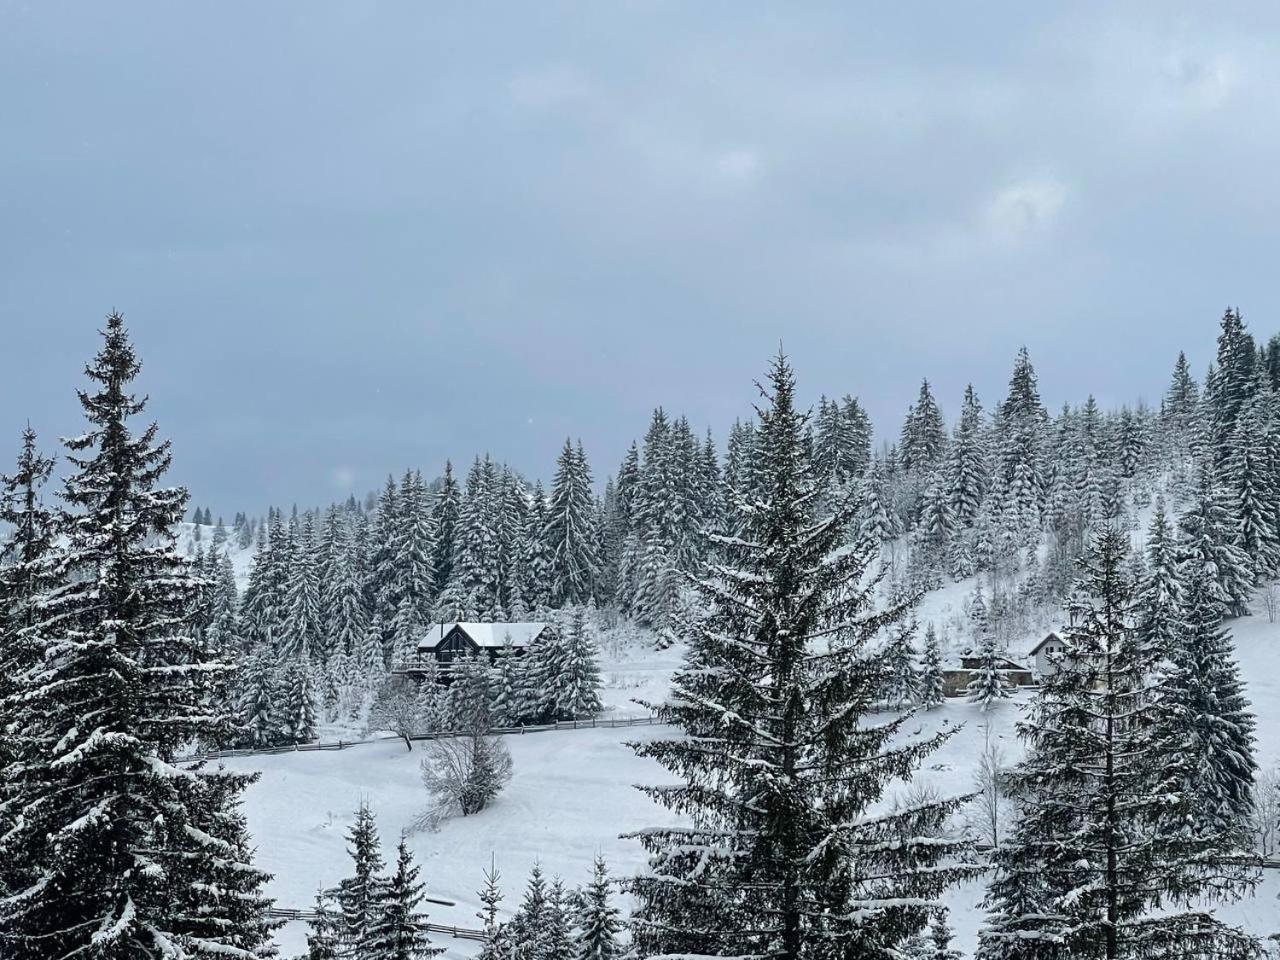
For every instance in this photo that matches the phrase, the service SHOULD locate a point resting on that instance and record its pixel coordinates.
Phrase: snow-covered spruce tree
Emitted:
(507, 704)
(398, 932)
(258, 720)
(1181, 405)
(779, 771)
(903, 686)
(300, 632)
(573, 672)
(243, 921)
(570, 531)
(298, 713)
(988, 685)
(938, 944)
(876, 519)
(323, 931)
(122, 863)
(444, 517)
(1208, 723)
(528, 933)
(348, 615)
(924, 434)
(1018, 483)
(536, 557)
(1101, 840)
(1210, 540)
(491, 896)
(558, 935)
(1234, 383)
(415, 577)
(1158, 602)
(1252, 486)
(599, 921)
(966, 470)
(931, 687)
(27, 572)
(360, 896)
(476, 571)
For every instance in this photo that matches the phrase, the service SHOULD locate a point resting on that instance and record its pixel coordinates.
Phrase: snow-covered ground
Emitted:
(572, 792)
(571, 796)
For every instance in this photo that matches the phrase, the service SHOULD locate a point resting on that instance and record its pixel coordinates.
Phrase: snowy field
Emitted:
(572, 796)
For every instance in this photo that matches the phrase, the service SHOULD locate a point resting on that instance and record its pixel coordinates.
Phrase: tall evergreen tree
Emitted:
(931, 686)
(599, 921)
(967, 464)
(398, 932)
(1019, 481)
(360, 896)
(121, 863)
(777, 763)
(1101, 841)
(27, 573)
(1210, 540)
(1210, 728)
(444, 517)
(570, 529)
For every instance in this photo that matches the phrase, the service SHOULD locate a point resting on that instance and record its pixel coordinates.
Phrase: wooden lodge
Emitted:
(445, 642)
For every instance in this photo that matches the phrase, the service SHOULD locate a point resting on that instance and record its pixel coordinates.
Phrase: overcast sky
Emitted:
(352, 237)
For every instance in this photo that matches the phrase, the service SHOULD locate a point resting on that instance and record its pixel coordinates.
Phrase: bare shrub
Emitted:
(986, 811)
(463, 775)
(1266, 812)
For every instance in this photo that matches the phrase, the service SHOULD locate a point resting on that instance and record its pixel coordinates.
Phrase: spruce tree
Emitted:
(298, 717)
(599, 921)
(1249, 475)
(572, 672)
(1018, 484)
(398, 932)
(323, 932)
(360, 896)
(27, 573)
(117, 692)
(1210, 540)
(570, 529)
(778, 765)
(903, 686)
(931, 685)
(1210, 725)
(988, 683)
(491, 896)
(1101, 841)
(444, 515)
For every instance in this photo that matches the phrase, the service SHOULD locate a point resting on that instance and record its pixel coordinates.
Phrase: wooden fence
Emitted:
(607, 723)
(458, 933)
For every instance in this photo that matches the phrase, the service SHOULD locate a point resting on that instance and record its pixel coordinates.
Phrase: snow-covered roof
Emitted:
(484, 634)
(1051, 638)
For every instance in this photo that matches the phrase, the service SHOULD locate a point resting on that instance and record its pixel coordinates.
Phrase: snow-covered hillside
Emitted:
(572, 793)
(192, 537)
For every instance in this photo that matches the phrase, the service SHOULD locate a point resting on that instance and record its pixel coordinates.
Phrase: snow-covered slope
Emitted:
(189, 540)
(572, 793)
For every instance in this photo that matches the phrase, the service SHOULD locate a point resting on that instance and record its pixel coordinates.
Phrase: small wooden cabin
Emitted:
(445, 642)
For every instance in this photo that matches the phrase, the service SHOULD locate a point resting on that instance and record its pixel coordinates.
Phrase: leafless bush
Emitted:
(1266, 812)
(986, 810)
(1271, 601)
(463, 775)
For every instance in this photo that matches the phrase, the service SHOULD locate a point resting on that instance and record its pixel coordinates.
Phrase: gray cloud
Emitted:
(354, 237)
